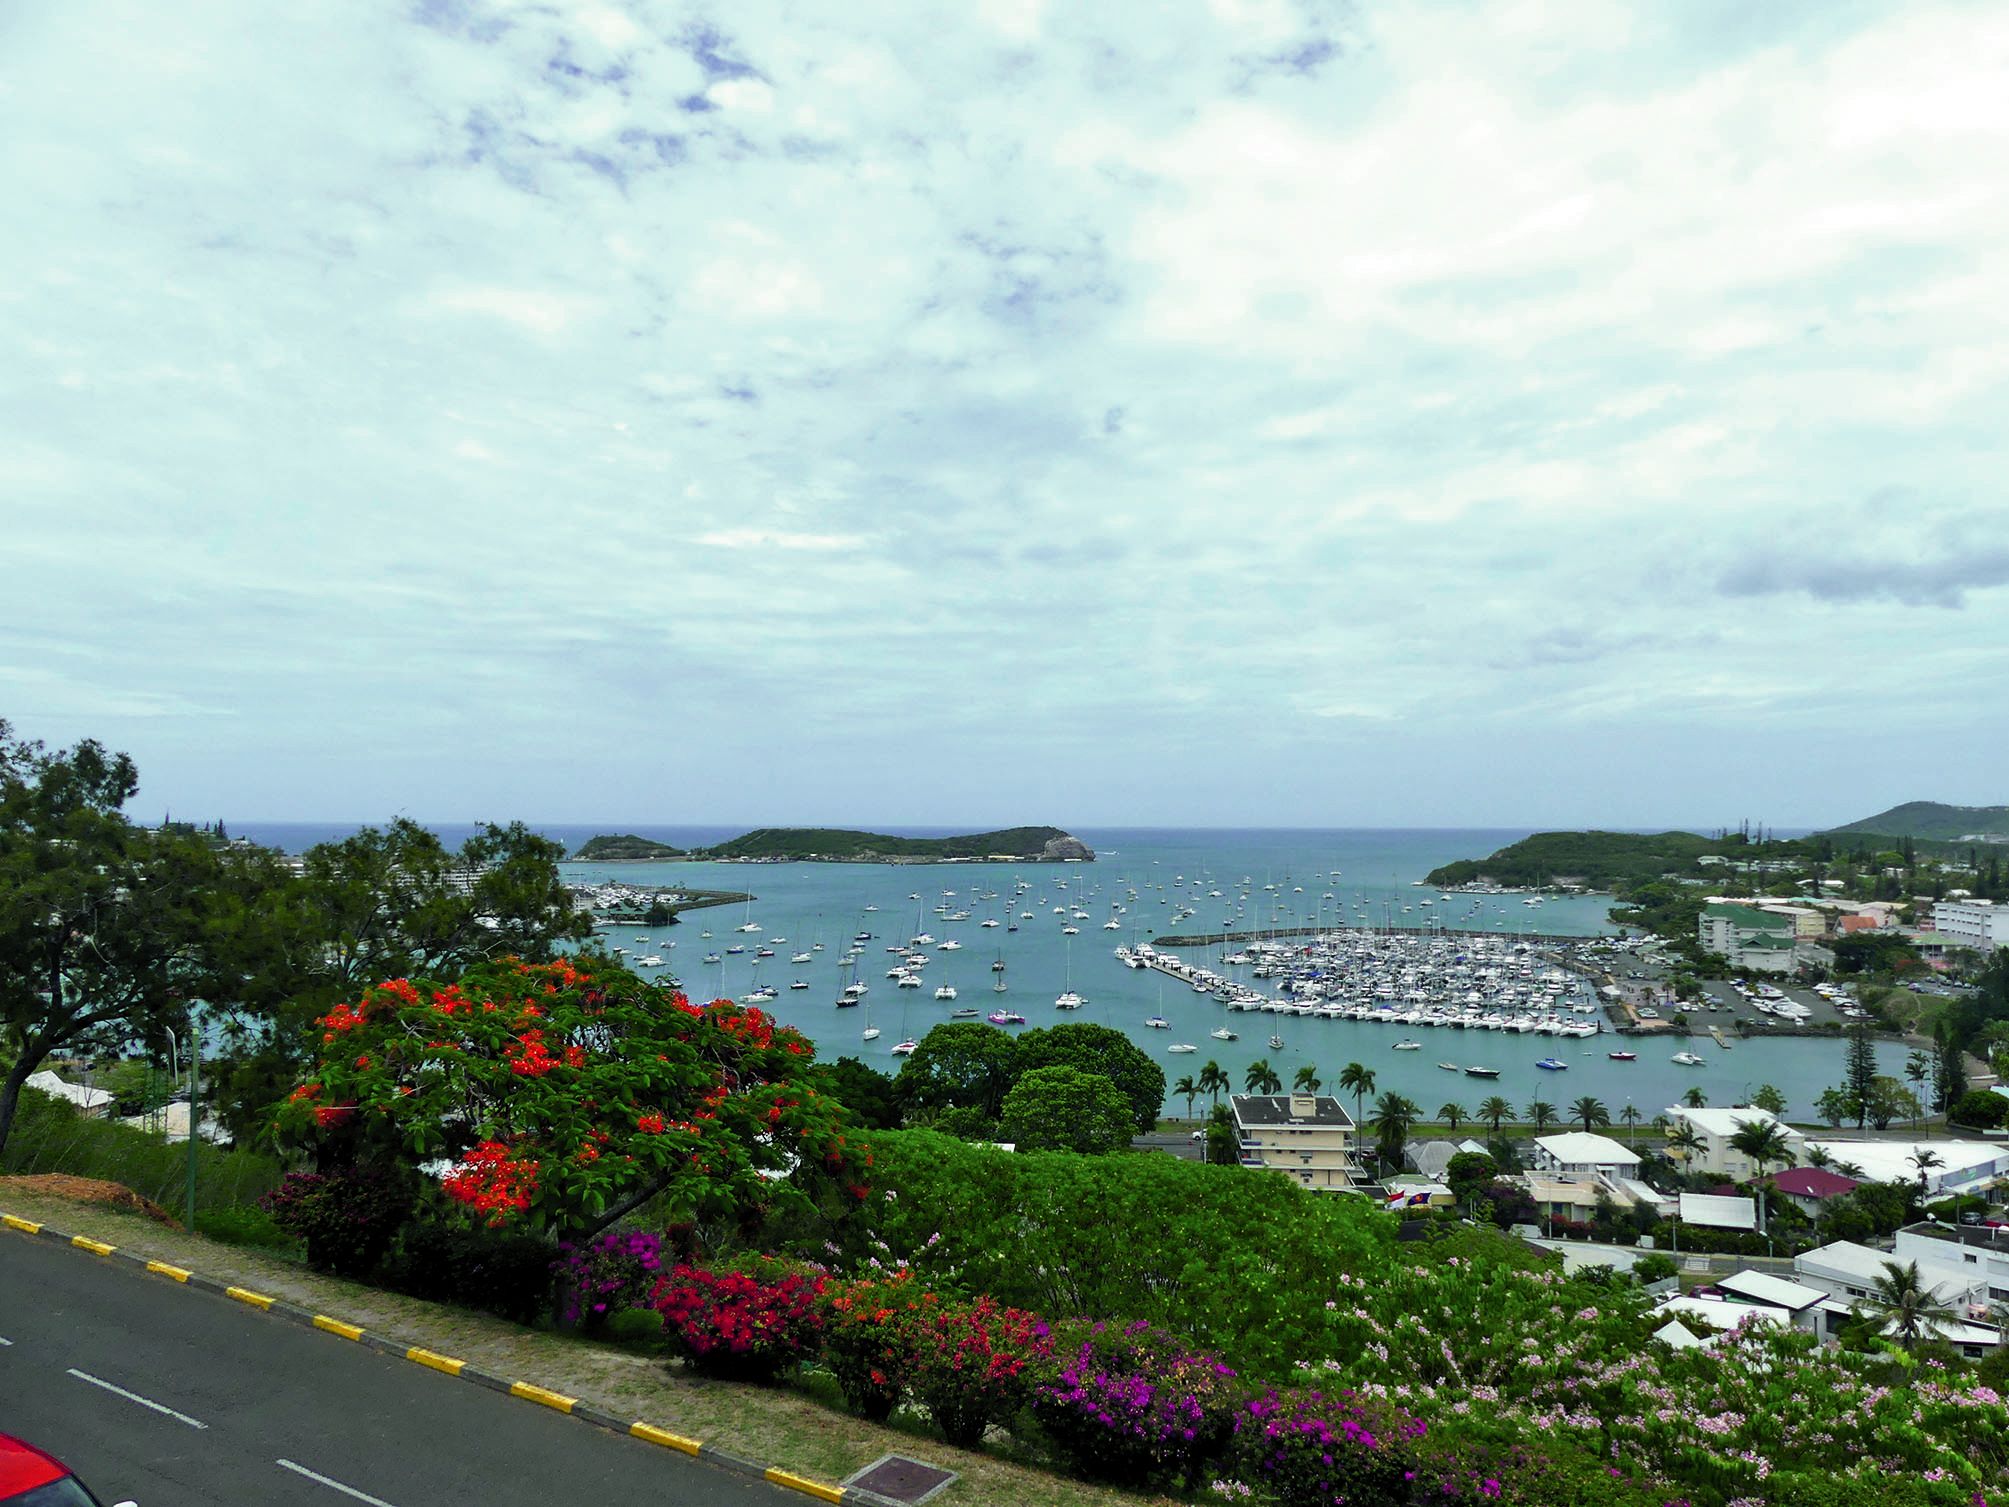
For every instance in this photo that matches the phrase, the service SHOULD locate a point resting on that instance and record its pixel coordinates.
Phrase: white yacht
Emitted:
(947, 991)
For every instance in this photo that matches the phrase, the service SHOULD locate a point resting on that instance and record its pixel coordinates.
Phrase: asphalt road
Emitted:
(174, 1397)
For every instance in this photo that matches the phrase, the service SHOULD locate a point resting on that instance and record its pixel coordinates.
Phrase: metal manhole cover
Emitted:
(901, 1479)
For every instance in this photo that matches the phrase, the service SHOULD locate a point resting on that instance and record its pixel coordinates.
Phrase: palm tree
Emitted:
(1850, 1169)
(1818, 1156)
(1306, 1081)
(1908, 1308)
(1261, 1078)
(1393, 1116)
(1687, 1140)
(1357, 1080)
(1188, 1090)
(1541, 1112)
(1630, 1115)
(1917, 1067)
(1925, 1159)
(1591, 1111)
(1213, 1082)
(1764, 1143)
(1695, 1099)
(1494, 1110)
(1451, 1114)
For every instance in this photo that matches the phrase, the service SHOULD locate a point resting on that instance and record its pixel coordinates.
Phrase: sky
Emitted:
(1256, 412)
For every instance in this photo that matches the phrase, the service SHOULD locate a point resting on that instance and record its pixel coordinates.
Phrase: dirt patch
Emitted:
(88, 1190)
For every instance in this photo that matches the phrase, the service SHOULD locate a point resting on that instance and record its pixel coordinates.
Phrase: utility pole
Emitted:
(194, 1113)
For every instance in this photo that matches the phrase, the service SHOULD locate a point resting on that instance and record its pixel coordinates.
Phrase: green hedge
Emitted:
(50, 1136)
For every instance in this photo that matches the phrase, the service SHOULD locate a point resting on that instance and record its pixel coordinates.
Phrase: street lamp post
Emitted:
(194, 1112)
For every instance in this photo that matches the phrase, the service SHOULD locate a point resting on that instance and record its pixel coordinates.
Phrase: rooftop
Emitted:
(1726, 1122)
(1290, 1109)
(1813, 1182)
(1719, 1213)
(1759, 1287)
(1578, 1146)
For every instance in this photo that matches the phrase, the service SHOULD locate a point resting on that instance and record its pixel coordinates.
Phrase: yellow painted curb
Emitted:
(544, 1395)
(161, 1268)
(25, 1226)
(806, 1486)
(434, 1359)
(664, 1437)
(245, 1295)
(95, 1247)
(336, 1326)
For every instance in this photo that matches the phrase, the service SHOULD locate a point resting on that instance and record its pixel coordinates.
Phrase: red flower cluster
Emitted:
(530, 1058)
(402, 990)
(742, 1022)
(340, 1021)
(649, 1124)
(491, 1181)
(738, 1323)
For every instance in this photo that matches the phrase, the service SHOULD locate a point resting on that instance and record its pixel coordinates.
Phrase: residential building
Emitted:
(1960, 1164)
(1809, 1188)
(1850, 1273)
(1308, 1137)
(1748, 938)
(1972, 923)
(1581, 1152)
(1809, 925)
(1979, 1253)
(1717, 1127)
(1810, 1308)
(1716, 1212)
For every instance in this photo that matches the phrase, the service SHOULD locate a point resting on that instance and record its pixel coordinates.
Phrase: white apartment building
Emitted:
(1716, 1127)
(1972, 923)
(1308, 1137)
(1583, 1153)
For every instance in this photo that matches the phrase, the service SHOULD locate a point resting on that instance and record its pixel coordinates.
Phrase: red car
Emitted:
(30, 1477)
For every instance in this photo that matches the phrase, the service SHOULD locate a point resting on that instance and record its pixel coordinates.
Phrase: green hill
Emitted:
(624, 848)
(837, 845)
(1934, 821)
(1598, 860)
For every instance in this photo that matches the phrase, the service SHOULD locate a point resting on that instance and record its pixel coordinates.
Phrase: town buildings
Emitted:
(1972, 923)
(1717, 1128)
(1308, 1137)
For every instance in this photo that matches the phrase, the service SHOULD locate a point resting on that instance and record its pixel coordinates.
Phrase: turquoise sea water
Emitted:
(1367, 873)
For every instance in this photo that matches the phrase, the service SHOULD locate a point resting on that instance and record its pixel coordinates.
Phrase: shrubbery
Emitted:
(742, 1325)
(445, 1258)
(1137, 1406)
(1314, 1449)
(608, 1274)
(346, 1219)
(971, 1365)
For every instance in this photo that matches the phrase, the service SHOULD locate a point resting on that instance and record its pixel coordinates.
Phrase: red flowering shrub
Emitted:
(571, 1092)
(742, 1325)
(347, 1219)
(869, 1339)
(970, 1364)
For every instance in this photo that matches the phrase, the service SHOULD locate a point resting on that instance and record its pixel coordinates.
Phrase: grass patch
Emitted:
(50, 1136)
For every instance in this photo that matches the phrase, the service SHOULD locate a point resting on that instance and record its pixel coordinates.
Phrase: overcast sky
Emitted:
(994, 411)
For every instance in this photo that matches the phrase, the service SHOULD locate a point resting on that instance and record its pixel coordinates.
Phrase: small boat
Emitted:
(965, 1013)
(1182, 1046)
(1005, 1018)
(1408, 1046)
(1450, 1067)
(947, 991)
(1482, 1072)
(735, 949)
(1688, 1059)
(906, 1048)
(846, 1001)
(1069, 1001)
(1276, 1043)
(1222, 1033)
(1551, 1064)
(1158, 1023)
(1623, 1056)
(871, 1034)
(799, 984)
(712, 957)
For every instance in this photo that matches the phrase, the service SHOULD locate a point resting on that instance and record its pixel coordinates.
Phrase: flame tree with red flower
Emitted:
(571, 1093)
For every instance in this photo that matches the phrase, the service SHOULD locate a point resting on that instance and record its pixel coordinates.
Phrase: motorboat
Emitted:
(1222, 1033)
(1158, 1023)
(1623, 1056)
(799, 984)
(1450, 1067)
(965, 1013)
(1182, 1046)
(1482, 1072)
(1408, 1046)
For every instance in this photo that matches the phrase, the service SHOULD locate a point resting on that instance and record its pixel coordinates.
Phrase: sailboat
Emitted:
(871, 1031)
(998, 968)
(1068, 999)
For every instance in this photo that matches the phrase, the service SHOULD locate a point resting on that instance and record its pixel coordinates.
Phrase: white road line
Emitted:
(315, 1475)
(4, 1342)
(145, 1402)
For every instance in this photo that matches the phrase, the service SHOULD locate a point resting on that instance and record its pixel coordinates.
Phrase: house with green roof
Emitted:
(1751, 939)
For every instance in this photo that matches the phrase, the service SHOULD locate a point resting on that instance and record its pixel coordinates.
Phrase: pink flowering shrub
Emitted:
(1318, 1449)
(971, 1364)
(741, 1325)
(1135, 1405)
(600, 1278)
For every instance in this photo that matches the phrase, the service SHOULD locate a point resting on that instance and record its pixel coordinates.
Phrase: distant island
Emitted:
(1580, 860)
(625, 848)
(836, 845)
(1935, 822)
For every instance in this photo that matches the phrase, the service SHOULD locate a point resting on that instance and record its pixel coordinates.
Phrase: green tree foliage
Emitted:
(1064, 1109)
(1393, 1118)
(870, 1095)
(1495, 1109)
(1358, 1080)
(1467, 1172)
(1109, 1054)
(1874, 951)
(108, 931)
(1590, 1112)
(1222, 1150)
(1542, 1114)
(1769, 1099)
(1239, 1255)
(1261, 1078)
(960, 1064)
(1904, 1306)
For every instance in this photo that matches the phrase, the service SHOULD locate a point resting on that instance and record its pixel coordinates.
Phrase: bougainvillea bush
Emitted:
(569, 1093)
(347, 1219)
(1321, 1449)
(613, 1271)
(972, 1365)
(747, 1325)
(1135, 1405)
(869, 1339)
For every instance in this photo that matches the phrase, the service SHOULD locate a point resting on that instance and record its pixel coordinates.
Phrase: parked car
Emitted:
(31, 1477)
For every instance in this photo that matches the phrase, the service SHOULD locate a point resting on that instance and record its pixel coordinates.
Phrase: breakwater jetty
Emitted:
(1278, 933)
